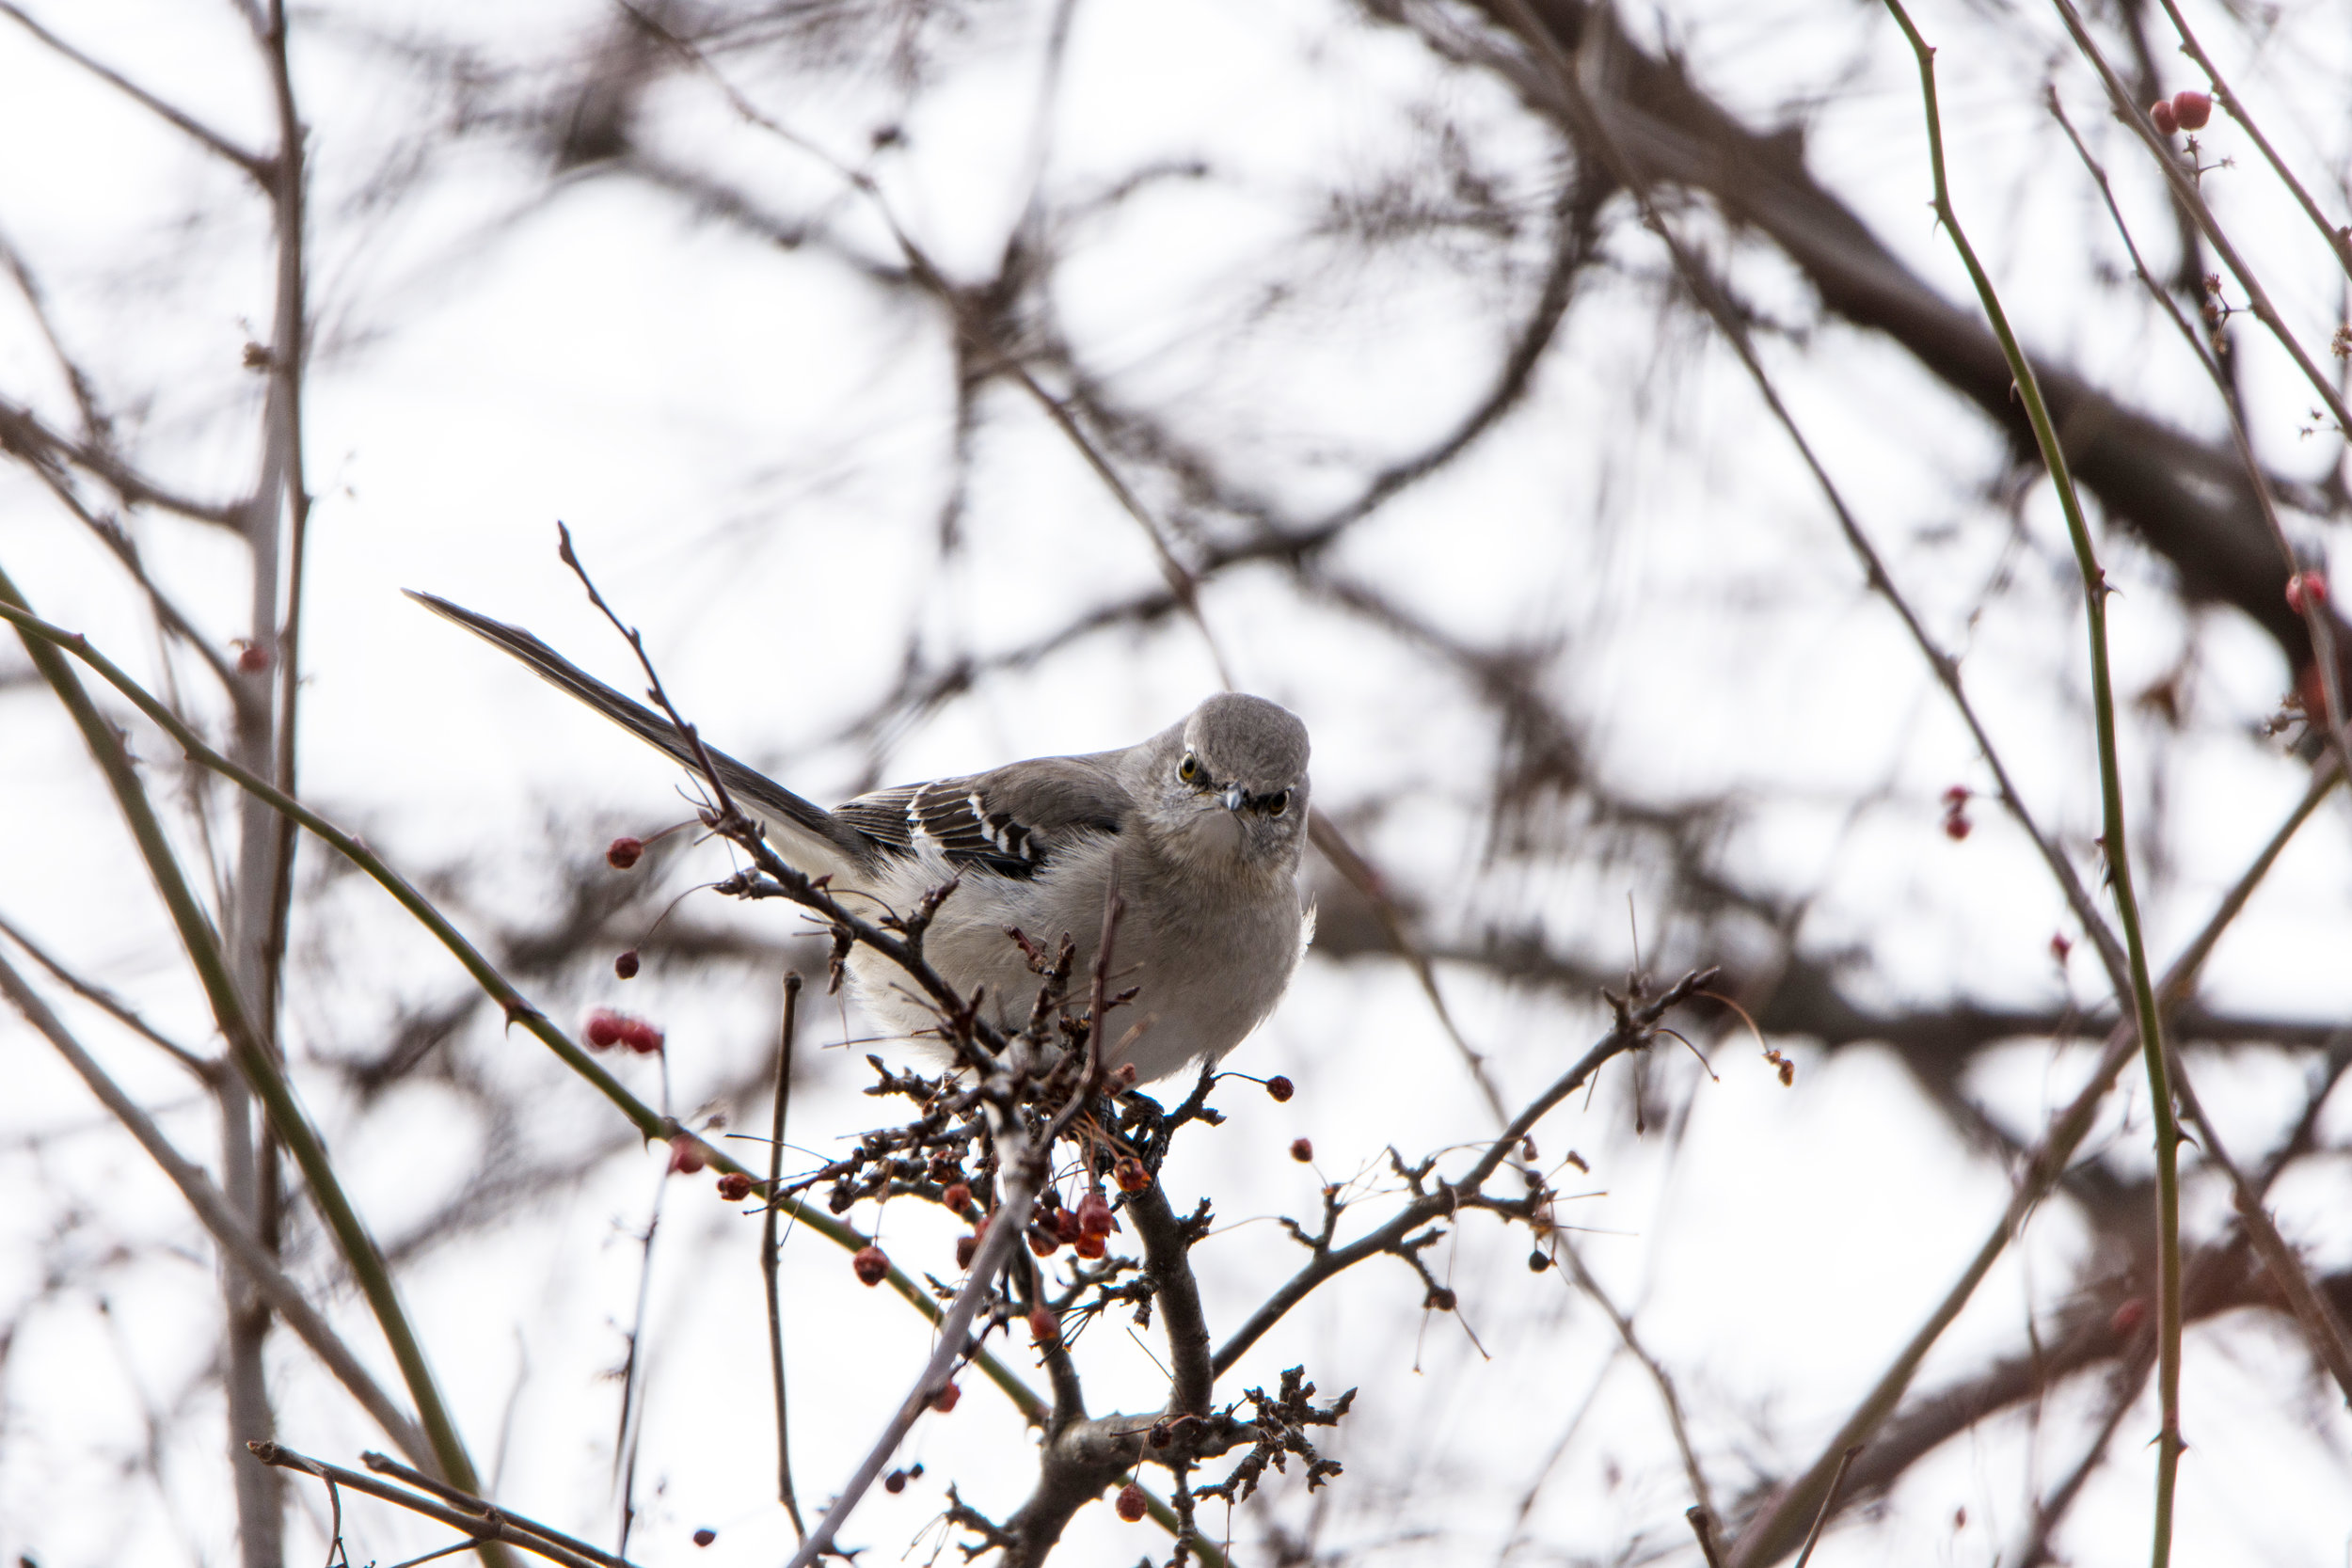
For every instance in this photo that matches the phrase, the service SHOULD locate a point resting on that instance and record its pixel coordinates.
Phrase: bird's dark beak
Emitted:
(1233, 796)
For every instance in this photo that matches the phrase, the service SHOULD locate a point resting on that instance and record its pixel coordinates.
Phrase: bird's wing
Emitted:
(812, 837)
(1013, 821)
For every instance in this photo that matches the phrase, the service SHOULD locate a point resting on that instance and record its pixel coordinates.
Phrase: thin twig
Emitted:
(1632, 1031)
(111, 1005)
(228, 1231)
(2317, 618)
(2129, 1378)
(2339, 239)
(2118, 845)
(1022, 1181)
(1829, 1501)
(384, 1464)
(46, 645)
(1589, 123)
(476, 1518)
(255, 166)
(1775, 1528)
(2184, 187)
(518, 1009)
(771, 1251)
(2322, 1328)
(1673, 1401)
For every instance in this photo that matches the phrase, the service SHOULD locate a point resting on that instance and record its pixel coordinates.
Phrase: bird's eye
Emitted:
(1279, 803)
(1189, 770)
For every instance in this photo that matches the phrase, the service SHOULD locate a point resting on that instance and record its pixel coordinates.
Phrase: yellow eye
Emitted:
(1279, 803)
(1189, 770)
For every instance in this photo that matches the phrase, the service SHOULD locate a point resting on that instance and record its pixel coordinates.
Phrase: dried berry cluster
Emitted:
(1280, 1426)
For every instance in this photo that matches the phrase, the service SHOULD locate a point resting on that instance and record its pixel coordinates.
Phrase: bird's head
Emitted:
(1229, 785)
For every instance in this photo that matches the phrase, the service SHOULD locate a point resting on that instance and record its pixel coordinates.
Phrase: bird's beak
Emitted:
(1232, 798)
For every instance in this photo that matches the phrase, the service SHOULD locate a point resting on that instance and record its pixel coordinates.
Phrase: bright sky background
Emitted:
(748, 445)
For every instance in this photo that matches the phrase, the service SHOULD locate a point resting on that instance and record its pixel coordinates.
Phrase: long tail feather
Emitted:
(812, 830)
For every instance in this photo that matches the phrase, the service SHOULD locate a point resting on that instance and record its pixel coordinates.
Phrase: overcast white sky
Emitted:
(748, 445)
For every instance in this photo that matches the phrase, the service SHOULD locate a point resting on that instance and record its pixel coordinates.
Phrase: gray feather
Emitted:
(1013, 821)
(763, 794)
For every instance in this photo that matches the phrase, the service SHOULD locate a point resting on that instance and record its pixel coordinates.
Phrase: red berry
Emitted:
(1956, 826)
(1044, 1241)
(958, 1199)
(1065, 1224)
(252, 658)
(1130, 1504)
(2307, 590)
(2059, 946)
(1130, 1174)
(734, 1186)
(641, 1037)
(603, 1030)
(966, 1248)
(685, 1154)
(626, 966)
(1301, 1150)
(624, 852)
(1089, 1246)
(2161, 111)
(1280, 1089)
(1094, 1215)
(1044, 1326)
(1955, 796)
(945, 1398)
(705, 1536)
(872, 1265)
(2191, 108)
(895, 1483)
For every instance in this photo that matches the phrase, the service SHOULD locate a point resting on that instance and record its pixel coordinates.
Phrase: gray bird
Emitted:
(1202, 825)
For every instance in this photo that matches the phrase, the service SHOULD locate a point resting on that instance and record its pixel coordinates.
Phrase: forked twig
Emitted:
(1829, 1501)
(460, 1511)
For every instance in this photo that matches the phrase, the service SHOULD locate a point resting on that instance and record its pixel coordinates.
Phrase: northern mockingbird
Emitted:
(1202, 825)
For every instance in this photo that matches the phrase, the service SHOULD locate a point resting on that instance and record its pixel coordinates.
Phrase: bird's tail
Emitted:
(810, 836)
